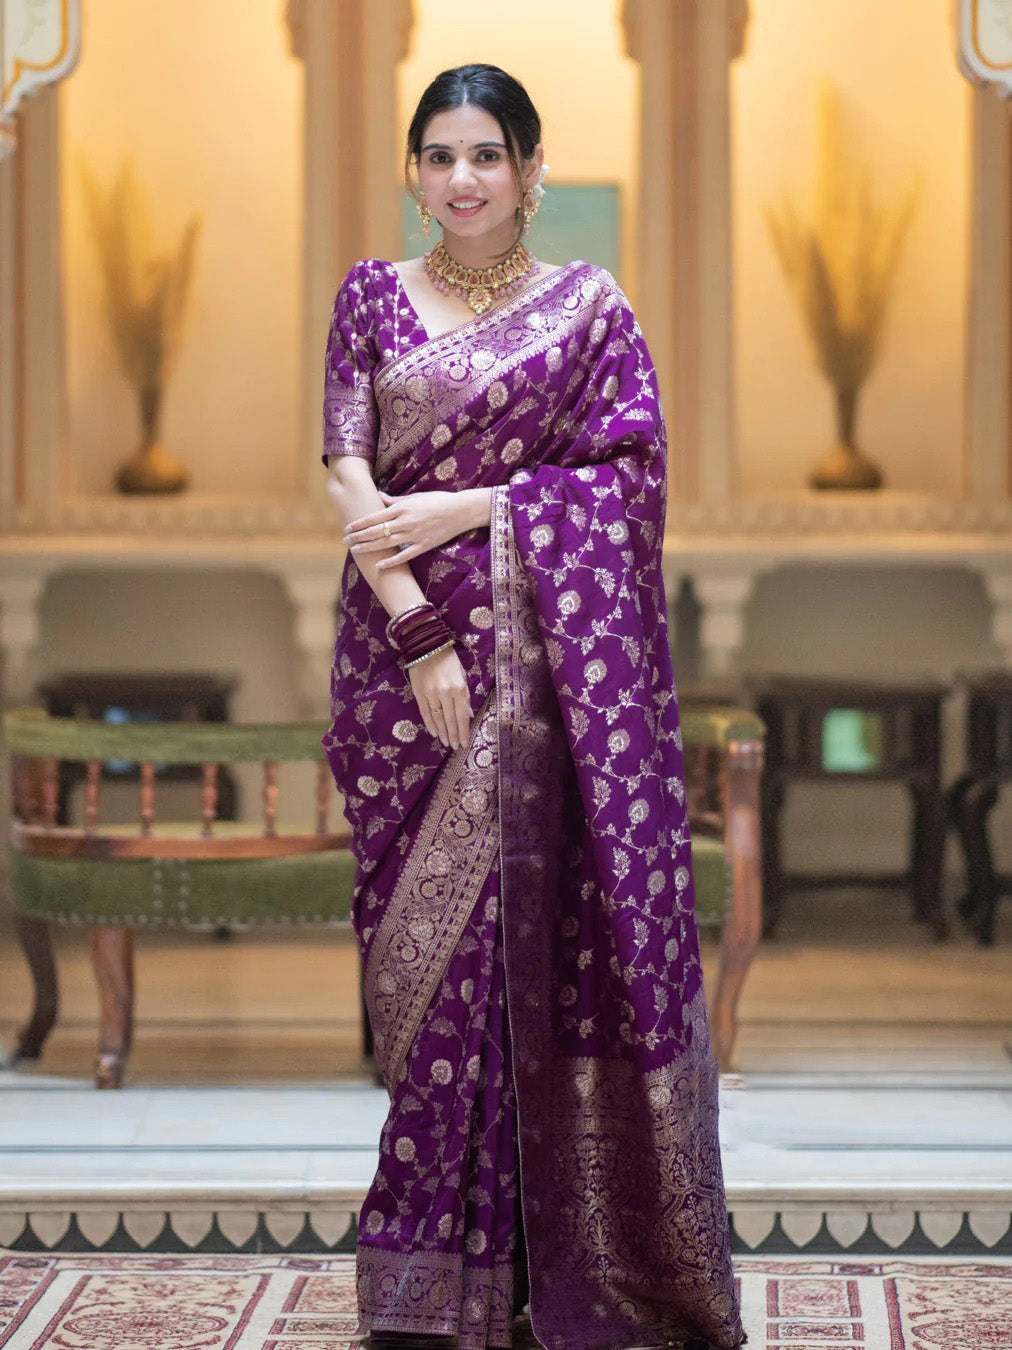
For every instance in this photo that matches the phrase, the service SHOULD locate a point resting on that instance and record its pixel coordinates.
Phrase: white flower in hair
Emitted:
(537, 189)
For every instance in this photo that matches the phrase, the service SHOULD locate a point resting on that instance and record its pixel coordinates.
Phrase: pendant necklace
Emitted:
(479, 286)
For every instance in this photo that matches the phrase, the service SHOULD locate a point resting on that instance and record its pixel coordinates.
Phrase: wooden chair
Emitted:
(724, 749)
(201, 873)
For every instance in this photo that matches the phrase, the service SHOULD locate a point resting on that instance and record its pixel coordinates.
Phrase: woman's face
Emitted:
(465, 173)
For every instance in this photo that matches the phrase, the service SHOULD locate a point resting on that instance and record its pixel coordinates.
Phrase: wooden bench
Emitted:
(206, 873)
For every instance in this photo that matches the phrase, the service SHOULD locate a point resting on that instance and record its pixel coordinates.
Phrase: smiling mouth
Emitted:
(466, 208)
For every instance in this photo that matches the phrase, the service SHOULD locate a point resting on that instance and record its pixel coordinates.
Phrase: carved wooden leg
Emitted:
(772, 800)
(744, 922)
(368, 1051)
(956, 810)
(367, 1048)
(37, 945)
(926, 866)
(980, 865)
(112, 958)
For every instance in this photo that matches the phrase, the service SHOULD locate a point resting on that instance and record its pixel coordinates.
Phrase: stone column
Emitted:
(32, 399)
(352, 192)
(21, 588)
(998, 580)
(684, 48)
(723, 595)
(313, 595)
(989, 337)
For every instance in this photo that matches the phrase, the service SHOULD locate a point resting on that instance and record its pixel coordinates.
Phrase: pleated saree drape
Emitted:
(524, 905)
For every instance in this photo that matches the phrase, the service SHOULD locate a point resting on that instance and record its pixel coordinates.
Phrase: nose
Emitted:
(462, 178)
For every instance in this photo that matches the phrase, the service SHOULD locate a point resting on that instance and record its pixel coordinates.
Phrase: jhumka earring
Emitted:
(529, 206)
(425, 215)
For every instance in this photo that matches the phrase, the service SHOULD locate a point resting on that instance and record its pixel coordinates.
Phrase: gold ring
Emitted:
(386, 528)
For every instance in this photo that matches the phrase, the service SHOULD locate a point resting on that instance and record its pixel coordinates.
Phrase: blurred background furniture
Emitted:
(723, 749)
(140, 696)
(198, 873)
(973, 796)
(860, 731)
(204, 873)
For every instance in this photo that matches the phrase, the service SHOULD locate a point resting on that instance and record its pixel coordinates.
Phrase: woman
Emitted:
(505, 734)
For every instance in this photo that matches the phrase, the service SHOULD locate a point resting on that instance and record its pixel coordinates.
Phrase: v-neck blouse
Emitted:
(373, 323)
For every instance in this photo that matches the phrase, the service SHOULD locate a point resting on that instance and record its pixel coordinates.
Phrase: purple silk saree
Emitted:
(524, 905)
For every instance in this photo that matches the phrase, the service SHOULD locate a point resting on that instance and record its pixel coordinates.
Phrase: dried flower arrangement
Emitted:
(145, 295)
(841, 267)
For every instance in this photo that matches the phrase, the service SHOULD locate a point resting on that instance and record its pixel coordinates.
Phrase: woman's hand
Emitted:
(440, 688)
(418, 521)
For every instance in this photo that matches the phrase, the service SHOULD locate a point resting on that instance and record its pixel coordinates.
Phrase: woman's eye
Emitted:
(438, 157)
(494, 154)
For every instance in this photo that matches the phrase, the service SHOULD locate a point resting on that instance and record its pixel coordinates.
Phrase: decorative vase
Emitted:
(151, 468)
(845, 467)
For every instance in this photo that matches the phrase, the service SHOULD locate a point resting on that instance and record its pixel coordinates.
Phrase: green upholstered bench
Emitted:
(201, 873)
(724, 749)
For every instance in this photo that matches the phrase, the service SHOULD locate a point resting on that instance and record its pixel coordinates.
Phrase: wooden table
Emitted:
(972, 797)
(891, 732)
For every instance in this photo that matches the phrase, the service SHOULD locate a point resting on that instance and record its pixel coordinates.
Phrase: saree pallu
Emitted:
(524, 905)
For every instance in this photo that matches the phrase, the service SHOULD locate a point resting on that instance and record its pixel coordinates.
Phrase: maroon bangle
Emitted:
(426, 642)
(418, 632)
(402, 623)
(422, 631)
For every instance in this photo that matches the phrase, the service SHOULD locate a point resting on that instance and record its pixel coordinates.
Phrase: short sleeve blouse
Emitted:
(372, 322)
(350, 419)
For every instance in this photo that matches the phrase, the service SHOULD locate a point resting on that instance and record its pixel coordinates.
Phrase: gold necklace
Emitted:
(479, 286)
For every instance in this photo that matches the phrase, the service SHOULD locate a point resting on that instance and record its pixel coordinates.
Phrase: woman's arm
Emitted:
(354, 494)
(438, 682)
(418, 522)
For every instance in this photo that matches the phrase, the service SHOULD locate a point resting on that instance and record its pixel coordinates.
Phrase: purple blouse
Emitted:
(373, 322)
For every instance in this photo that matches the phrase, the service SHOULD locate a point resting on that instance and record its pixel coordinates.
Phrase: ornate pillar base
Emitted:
(19, 633)
(723, 597)
(999, 588)
(313, 594)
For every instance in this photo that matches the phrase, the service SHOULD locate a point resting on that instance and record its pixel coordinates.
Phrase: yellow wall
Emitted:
(570, 57)
(208, 101)
(907, 106)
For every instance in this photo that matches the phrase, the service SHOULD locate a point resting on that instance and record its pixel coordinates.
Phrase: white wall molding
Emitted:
(985, 43)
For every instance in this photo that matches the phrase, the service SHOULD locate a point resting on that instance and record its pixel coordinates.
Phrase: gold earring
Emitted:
(529, 206)
(425, 215)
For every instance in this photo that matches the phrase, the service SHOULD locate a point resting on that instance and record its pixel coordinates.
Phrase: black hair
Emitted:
(498, 93)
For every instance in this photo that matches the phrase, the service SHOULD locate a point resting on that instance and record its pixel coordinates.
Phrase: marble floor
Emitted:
(870, 1107)
(800, 1150)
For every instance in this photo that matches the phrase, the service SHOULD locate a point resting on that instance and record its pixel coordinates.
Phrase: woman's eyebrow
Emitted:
(481, 145)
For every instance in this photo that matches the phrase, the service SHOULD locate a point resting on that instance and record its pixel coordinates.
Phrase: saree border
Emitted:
(439, 884)
(504, 307)
(524, 805)
(435, 405)
(429, 1282)
(350, 419)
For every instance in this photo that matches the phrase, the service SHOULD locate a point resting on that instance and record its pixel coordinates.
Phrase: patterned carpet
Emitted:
(104, 1302)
